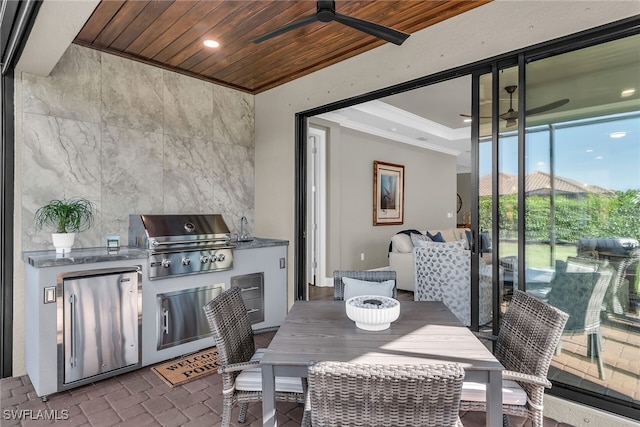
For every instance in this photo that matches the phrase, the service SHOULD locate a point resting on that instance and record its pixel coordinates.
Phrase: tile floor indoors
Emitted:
(140, 398)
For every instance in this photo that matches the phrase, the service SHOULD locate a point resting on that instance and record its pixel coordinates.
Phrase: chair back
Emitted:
(231, 329)
(444, 274)
(369, 276)
(343, 393)
(530, 331)
(581, 296)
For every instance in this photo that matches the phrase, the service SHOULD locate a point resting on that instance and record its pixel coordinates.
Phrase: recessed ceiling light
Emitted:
(393, 129)
(467, 120)
(618, 134)
(599, 158)
(211, 43)
(589, 150)
(627, 92)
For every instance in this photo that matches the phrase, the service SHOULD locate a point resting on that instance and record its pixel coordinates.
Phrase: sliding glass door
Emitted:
(582, 211)
(558, 186)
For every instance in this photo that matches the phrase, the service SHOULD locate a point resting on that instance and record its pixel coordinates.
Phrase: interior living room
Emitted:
(128, 134)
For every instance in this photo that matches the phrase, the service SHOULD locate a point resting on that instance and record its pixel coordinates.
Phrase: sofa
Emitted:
(401, 253)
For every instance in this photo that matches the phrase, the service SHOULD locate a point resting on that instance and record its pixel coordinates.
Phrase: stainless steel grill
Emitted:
(182, 244)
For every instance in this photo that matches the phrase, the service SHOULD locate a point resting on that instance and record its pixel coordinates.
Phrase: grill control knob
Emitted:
(166, 263)
(204, 259)
(221, 257)
(186, 261)
(214, 258)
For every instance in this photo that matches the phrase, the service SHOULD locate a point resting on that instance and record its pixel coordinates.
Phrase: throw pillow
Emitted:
(417, 239)
(485, 242)
(356, 287)
(469, 236)
(401, 243)
(437, 238)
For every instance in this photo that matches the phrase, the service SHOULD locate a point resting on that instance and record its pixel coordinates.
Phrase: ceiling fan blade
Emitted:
(389, 34)
(511, 123)
(468, 116)
(509, 115)
(547, 107)
(286, 28)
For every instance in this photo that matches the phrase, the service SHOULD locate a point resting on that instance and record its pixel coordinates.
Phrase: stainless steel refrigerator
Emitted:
(101, 331)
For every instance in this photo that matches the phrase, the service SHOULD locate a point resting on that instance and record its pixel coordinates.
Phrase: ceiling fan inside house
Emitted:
(511, 116)
(326, 12)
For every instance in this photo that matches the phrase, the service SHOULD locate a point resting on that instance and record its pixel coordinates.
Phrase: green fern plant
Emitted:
(66, 216)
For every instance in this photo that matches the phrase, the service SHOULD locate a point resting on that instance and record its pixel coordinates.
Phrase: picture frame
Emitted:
(388, 193)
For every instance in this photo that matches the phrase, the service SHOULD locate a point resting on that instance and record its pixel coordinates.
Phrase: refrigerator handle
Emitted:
(72, 357)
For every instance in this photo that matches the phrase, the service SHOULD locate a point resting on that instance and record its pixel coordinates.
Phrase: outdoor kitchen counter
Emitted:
(40, 259)
(259, 242)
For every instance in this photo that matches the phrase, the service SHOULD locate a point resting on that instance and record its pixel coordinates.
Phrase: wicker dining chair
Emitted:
(527, 340)
(350, 394)
(368, 276)
(581, 296)
(239, 359)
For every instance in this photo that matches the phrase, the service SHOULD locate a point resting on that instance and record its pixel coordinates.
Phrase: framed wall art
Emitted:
(388, 193)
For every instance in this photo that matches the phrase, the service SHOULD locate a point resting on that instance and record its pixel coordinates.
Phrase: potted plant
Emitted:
(67, 217)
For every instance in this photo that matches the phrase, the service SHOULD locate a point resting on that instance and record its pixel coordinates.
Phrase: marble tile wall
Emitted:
(132, 138)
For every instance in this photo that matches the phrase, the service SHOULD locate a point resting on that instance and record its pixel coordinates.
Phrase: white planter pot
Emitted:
(63, 242)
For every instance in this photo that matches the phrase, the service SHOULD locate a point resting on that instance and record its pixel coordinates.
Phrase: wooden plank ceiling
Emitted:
(170, 34)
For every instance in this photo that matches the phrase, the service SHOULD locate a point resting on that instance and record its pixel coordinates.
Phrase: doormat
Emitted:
(188, 368)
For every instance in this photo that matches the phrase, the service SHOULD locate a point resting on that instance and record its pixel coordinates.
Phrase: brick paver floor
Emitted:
(140, 398)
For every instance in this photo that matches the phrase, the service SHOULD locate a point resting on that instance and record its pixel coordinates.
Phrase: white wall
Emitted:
(496, 28)
(429, 185)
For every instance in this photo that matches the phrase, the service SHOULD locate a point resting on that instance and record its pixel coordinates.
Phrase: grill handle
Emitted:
(155, 243)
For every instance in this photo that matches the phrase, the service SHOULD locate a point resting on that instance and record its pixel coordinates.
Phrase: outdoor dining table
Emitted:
(426, 332)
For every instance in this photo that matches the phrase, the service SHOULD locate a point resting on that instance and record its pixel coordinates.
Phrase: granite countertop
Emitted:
(81, 256)
(259, 242)
(50, 258)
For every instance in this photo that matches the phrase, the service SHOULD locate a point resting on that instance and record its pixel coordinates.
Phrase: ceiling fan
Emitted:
(326, 12)
(511, 116)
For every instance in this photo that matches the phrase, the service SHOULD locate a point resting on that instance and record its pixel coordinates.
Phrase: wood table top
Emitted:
(425, 332)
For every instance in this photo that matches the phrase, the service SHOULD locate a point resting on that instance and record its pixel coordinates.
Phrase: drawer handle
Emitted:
(253, 310)
(165, 322)
(253, 288)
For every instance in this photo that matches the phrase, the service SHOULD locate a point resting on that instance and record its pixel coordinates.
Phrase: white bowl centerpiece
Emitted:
(372, 312)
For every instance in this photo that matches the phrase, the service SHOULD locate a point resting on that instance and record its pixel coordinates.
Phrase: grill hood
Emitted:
(173, 231)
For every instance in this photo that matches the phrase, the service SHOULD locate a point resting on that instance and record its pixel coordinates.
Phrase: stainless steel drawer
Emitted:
(255, 310)
(252, 291)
